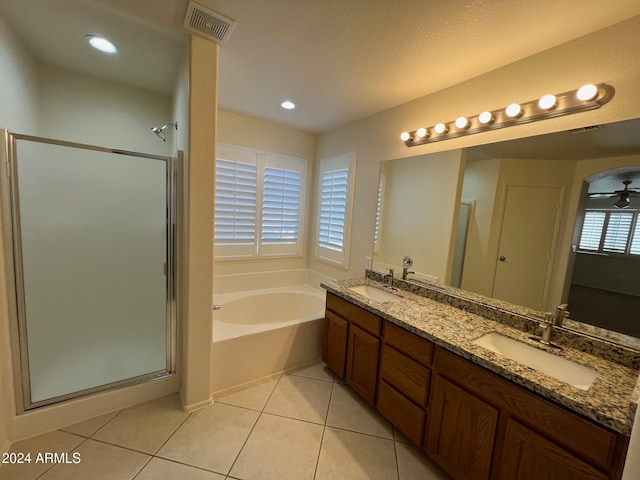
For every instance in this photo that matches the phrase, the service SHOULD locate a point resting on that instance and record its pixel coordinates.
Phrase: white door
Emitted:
(529, 228)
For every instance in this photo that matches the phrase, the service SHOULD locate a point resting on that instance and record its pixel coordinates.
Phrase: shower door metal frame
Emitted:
(15, 279)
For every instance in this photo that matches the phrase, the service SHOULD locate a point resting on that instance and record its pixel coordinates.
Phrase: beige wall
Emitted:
(18, 97)
(480, 185)
(418, 203)
(253, 133)
(18, 75)
(608, 56)
(197, 288)
(85, 109)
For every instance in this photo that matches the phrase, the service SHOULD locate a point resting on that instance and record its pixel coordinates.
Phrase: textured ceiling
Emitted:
(339, 60)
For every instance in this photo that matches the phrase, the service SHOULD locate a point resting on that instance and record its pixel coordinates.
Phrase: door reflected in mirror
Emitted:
(525, 201)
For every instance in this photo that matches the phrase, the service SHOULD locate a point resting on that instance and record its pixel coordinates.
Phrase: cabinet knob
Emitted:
(502, 259)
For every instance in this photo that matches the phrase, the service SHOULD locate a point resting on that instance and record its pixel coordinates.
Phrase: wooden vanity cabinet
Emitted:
(474, 423)
(403, 380)
(482, 426)
(351, 345)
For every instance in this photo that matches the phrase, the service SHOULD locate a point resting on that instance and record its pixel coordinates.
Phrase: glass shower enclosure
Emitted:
(92, 248)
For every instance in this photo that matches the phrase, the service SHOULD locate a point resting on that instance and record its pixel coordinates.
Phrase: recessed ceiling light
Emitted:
(288, 105)
(101, 43)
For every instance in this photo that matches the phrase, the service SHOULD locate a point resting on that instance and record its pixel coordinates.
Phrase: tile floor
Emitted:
(299, 425)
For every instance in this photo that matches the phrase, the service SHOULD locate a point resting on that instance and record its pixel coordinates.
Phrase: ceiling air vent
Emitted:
(208, 23)
(573, 131)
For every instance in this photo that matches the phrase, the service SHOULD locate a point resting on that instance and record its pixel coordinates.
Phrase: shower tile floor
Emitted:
(303, 424)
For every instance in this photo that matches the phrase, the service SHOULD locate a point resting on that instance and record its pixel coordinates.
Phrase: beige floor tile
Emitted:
(349, 411)
(279, 448)
(300, 398)
(211, 438)
(401, 437)
(413, 464)
(100, 461)
(144, 427)
(253, 395)
(53, 442)
(91, 426)
(356, 456)
(319, 371)
(159, 469)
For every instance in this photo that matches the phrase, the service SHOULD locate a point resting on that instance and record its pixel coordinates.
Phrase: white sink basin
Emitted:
(572, 373)
(375, 293)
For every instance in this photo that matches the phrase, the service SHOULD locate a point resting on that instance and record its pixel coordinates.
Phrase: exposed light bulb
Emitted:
(440, 128)
(587, 92)
(485, 118)
(514, 110)
(421, 132)
(462, 122)
(547, 102)
(288, 105)
(405, 136)
(102, 44)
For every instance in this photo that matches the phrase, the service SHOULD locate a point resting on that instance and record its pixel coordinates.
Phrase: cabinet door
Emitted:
(362, 363)
(334, 349)
(529, 456)
(461, 432)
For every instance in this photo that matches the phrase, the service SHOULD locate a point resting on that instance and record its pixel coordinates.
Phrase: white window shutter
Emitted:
(336, 199)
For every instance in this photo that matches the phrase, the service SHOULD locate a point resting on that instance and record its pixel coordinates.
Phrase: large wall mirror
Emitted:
(537, 222)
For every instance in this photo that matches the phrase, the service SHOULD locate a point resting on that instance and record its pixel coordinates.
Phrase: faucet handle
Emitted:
(391, 272)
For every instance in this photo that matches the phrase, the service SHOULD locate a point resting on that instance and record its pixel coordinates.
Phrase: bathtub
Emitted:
(258, 333)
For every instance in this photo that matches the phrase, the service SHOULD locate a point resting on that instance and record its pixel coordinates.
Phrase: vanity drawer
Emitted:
(404, 374)
(356, 315)
(412, 345)
(404, 414)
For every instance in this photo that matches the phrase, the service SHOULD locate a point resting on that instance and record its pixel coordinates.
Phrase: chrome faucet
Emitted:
(547, 331)
(561, 314)
(406, 264)
(388, 279)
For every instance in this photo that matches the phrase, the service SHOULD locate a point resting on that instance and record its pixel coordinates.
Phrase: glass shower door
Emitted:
(93, 253)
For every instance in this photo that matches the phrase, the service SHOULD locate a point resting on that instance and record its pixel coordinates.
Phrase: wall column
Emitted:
(197, 272)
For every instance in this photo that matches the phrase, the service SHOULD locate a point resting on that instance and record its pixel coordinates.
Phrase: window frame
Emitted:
(259, 248)
(631, 239)
(338, 258)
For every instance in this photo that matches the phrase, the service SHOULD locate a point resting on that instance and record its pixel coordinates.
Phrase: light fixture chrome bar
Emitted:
(565, 104)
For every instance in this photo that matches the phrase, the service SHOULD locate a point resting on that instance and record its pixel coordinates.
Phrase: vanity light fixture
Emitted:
(485, 118)
(587, 92)
(440, 128)
(587, 97)
(547, 102)
(462, 123)
(422, 132)
(514, 110)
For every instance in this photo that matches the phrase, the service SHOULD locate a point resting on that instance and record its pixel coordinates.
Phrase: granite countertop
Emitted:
(611, 400)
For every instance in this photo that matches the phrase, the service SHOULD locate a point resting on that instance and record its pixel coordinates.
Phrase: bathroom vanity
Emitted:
(477, 413)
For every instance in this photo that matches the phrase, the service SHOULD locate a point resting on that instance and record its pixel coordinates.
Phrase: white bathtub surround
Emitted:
(239, 282)
(258, 333)
(255, 311)
(243, 359)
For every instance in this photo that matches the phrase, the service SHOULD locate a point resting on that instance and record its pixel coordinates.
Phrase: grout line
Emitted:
(173, 433)
(120, 446)
(84, 439)
(271, 394)
(395, 454)
(143, 467)
(108, 422)
(188, 465)
(324, 429)
(245, 441)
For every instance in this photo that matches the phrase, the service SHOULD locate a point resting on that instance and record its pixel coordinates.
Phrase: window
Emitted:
(259, 204)
(336, 198)
(610, 231)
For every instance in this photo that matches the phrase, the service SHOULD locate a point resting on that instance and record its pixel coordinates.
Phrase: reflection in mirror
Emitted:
(538, 224)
